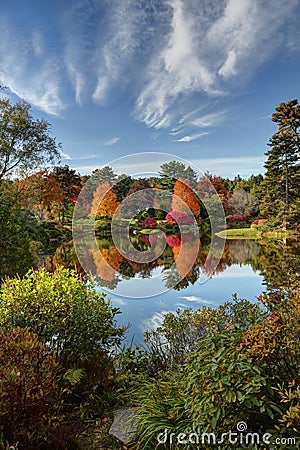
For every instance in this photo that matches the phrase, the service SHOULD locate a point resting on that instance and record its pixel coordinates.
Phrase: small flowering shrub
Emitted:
(239, 218)
(149, 222)
(179, 217)
(238, 221)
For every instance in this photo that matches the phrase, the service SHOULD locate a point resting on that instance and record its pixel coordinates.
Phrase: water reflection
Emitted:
(277, 261)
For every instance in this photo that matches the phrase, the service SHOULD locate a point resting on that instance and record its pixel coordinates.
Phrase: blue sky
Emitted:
(195, 78)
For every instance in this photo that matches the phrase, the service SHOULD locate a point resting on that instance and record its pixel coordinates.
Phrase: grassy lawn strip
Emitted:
(255, 233)
(234, 233)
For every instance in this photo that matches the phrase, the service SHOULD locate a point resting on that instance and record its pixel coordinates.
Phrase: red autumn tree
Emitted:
(41, 193)
(70, 184)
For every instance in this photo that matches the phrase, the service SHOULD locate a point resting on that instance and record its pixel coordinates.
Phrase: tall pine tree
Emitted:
(281, 186)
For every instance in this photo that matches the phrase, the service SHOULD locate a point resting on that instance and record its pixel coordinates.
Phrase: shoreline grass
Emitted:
(256, 233)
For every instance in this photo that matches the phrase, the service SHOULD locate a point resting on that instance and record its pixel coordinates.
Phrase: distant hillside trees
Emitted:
(243, 203)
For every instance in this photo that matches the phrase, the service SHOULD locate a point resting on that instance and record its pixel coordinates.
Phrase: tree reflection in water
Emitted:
(277, 261)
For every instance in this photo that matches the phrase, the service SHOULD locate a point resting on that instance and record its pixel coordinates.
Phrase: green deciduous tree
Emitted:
(25, 142)
(281, 185)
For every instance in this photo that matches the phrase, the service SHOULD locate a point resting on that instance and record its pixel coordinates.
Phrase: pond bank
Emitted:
(256, 233)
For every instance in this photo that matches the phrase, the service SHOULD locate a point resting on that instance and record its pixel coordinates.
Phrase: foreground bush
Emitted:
(240, 363)
(15, 253)
(75, 323)
(29, 393)
(274, 345)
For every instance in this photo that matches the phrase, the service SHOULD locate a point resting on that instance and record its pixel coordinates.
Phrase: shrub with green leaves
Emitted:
(15, 253)
(274, 346)
(75, 322)
(215, 389)
(160, 405)
(231, 374)
(223, 385)
(170, 344)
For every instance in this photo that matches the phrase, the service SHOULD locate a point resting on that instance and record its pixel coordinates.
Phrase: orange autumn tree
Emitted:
(104, 202)
(183, 192)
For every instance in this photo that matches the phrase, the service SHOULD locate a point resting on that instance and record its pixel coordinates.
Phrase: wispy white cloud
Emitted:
(196, 299)
(66, 156)
(118, 301)
(76, 158)
(154, 321)
(228, 68)
(118, 49)
(80, 47)
(163, 53)
(37, 43)
(227, 166)
(177, 70)
(112, 141)
(208, 120)
(208, 46)
(230, 166)
(38, 86)
(190, 138)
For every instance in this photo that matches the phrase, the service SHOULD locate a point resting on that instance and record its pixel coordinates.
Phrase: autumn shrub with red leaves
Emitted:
(239, 218)
(149, 222)
(29, 393)
(179, 217)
